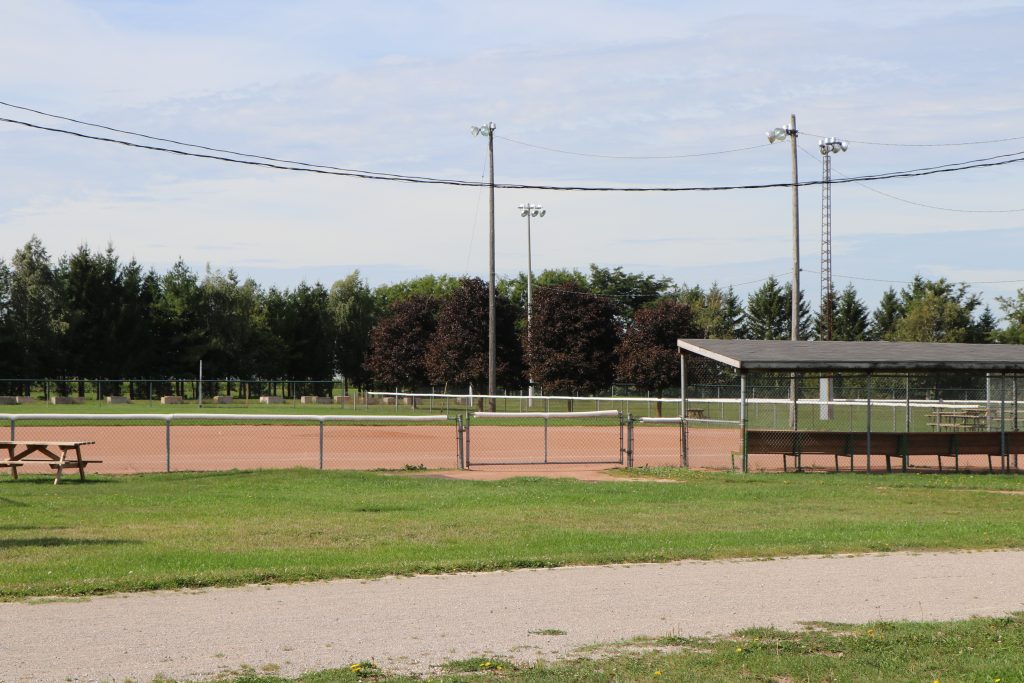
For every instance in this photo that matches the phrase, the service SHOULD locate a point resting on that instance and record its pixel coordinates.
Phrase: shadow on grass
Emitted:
(53, 541)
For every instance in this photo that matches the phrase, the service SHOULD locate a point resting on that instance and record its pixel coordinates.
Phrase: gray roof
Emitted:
(754, 355)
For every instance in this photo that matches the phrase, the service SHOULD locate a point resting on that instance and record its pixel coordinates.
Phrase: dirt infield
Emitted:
(137, 448)
(127, 449)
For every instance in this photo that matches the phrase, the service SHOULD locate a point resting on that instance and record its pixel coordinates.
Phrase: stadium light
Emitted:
(487, 131)
(530, 211)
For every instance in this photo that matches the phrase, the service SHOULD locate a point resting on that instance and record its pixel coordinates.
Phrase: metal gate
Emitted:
(600, 437)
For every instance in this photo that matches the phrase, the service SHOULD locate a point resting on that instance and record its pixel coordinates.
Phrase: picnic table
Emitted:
(45, 451)
(959, 419)
(696, 413)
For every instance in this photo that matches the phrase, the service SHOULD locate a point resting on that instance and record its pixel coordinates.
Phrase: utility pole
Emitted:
(795, 322)
(492, 344)
(777, 135)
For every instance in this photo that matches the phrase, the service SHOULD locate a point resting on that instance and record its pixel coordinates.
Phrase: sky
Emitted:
(395, 86)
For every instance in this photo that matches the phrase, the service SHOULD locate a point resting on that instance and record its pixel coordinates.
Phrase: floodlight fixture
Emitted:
(485, 130)
(779, 134)
(832, 145)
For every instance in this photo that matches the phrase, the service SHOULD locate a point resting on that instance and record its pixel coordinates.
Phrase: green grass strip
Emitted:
(977, 650)
(142, 532)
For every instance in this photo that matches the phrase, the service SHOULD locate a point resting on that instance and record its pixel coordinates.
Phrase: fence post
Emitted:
(743, 421)
(623, 440)
(321, 443)
(1003, 457)
(466, 433)
(167, 425)
(459, 452)
(684, 445)
(545, 438)
(869, 382)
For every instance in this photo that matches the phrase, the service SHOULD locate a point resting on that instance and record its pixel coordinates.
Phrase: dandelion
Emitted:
(739, 649)
(356, 668)
(657, 673)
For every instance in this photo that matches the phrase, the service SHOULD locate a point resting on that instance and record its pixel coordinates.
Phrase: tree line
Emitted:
(89, 314)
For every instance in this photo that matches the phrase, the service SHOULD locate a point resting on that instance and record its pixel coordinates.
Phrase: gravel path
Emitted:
(413, 623)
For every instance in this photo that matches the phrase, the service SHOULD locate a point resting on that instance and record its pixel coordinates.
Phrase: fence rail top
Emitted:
(677, 420)
(522, 397)
(534, 416)
(234, 417)
(152, 417)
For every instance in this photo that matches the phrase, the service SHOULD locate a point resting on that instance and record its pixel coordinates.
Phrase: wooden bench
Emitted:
(989, 444)
(793, 445)
(931, 444)
(888, 444)
(45, 450)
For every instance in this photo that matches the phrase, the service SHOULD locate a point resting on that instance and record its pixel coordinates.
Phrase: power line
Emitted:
(926, 144)
(910, 282)
(188, 144)
(988, 162)
(911, 202)
(629, 157)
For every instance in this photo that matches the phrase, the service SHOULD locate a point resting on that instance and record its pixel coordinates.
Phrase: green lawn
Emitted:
(977, 650)
(174, 530)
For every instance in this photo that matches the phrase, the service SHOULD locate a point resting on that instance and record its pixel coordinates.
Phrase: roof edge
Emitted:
(697, 350)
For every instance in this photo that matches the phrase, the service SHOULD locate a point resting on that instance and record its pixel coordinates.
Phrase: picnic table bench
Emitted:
(18, 453)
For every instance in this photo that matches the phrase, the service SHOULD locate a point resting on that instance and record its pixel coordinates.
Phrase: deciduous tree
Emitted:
(648, 354)
(572, 345)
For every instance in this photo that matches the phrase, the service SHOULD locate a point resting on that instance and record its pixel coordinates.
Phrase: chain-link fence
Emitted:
(859, 421)
(164, 443)
(578, 438)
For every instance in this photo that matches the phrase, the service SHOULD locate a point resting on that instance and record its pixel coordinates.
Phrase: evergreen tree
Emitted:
(717, 312)
(851, 317)
(35, 315)
(886, 316)
(769, 312)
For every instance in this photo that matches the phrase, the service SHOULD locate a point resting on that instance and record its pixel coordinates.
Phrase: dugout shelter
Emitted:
(842, 404)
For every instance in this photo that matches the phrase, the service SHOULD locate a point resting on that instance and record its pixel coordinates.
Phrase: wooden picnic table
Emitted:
(18, 453)
(696, 413)
(959, 419)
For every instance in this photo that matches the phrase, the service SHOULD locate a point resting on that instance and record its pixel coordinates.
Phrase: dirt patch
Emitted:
(544, 471)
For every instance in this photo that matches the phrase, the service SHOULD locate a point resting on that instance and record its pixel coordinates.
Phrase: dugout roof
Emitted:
(836, 356)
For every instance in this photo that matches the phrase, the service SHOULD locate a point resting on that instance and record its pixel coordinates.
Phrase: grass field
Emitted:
(980, 650)
(226, 528)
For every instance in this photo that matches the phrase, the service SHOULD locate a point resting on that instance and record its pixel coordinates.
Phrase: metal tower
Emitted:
(828, 147)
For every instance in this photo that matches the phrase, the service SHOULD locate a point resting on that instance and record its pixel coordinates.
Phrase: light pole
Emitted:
(487, 131)
(777, 135)
(529, 212)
